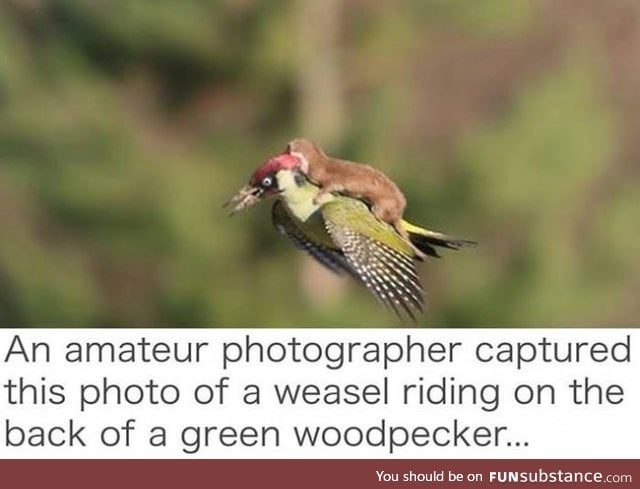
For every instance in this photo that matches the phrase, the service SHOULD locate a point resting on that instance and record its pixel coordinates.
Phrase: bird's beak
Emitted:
(245, 197)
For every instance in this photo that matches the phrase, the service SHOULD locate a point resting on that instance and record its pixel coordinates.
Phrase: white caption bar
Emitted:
(301, 393)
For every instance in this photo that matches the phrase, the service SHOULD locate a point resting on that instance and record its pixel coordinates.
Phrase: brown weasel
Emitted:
(353, 179)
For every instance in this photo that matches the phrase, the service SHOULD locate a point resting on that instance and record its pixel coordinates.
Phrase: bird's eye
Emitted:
(267, 182)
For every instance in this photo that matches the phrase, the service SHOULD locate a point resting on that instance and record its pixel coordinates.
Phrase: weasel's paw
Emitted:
(318, 197)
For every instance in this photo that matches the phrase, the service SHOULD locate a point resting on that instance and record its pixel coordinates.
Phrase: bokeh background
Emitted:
(124, 125)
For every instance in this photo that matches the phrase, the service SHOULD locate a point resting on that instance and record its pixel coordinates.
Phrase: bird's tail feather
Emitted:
(426, 240)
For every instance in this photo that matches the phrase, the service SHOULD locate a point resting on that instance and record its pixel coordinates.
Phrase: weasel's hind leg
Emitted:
(391, 215)
(388, 211)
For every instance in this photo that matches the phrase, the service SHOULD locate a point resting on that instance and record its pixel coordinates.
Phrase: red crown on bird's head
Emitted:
(280, 162)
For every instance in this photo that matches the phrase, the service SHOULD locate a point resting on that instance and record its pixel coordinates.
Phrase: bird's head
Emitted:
(264, 181)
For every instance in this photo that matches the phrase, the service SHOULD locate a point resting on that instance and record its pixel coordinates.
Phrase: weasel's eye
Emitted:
(267, 182)
(299, 178)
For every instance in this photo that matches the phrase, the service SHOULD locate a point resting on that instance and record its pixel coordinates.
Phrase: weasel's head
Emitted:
(306, 150)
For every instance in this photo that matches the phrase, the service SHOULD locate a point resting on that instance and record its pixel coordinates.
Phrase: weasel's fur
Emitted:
(353, 179)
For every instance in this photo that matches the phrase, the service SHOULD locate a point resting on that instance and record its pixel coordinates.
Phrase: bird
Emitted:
(342, 233)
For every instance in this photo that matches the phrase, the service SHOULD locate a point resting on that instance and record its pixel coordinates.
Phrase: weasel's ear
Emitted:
(304, 162)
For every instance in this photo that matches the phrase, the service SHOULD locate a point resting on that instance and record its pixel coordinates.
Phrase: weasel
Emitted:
(357, 180)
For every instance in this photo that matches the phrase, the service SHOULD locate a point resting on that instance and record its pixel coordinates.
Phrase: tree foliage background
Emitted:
(124, 125)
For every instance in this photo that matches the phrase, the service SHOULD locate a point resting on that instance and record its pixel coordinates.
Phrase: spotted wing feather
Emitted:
(389, 274)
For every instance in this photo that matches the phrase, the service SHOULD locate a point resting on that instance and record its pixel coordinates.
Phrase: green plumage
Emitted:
(298, 196)
(342, 234)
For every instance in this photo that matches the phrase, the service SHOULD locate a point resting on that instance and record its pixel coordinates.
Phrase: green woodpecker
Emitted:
(343, 233)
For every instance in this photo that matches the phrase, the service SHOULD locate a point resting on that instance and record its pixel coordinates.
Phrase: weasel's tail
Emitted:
(426, 240)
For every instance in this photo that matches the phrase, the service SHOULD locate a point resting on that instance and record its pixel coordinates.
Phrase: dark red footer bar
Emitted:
(311, 474)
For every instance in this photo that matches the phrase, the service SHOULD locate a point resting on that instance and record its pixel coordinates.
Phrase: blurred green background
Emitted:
(125, 124)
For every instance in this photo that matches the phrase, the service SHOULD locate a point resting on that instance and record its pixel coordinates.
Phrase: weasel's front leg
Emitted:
(326, 190)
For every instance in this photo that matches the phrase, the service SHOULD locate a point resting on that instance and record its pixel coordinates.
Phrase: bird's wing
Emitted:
(331, 258)
(383, 264)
